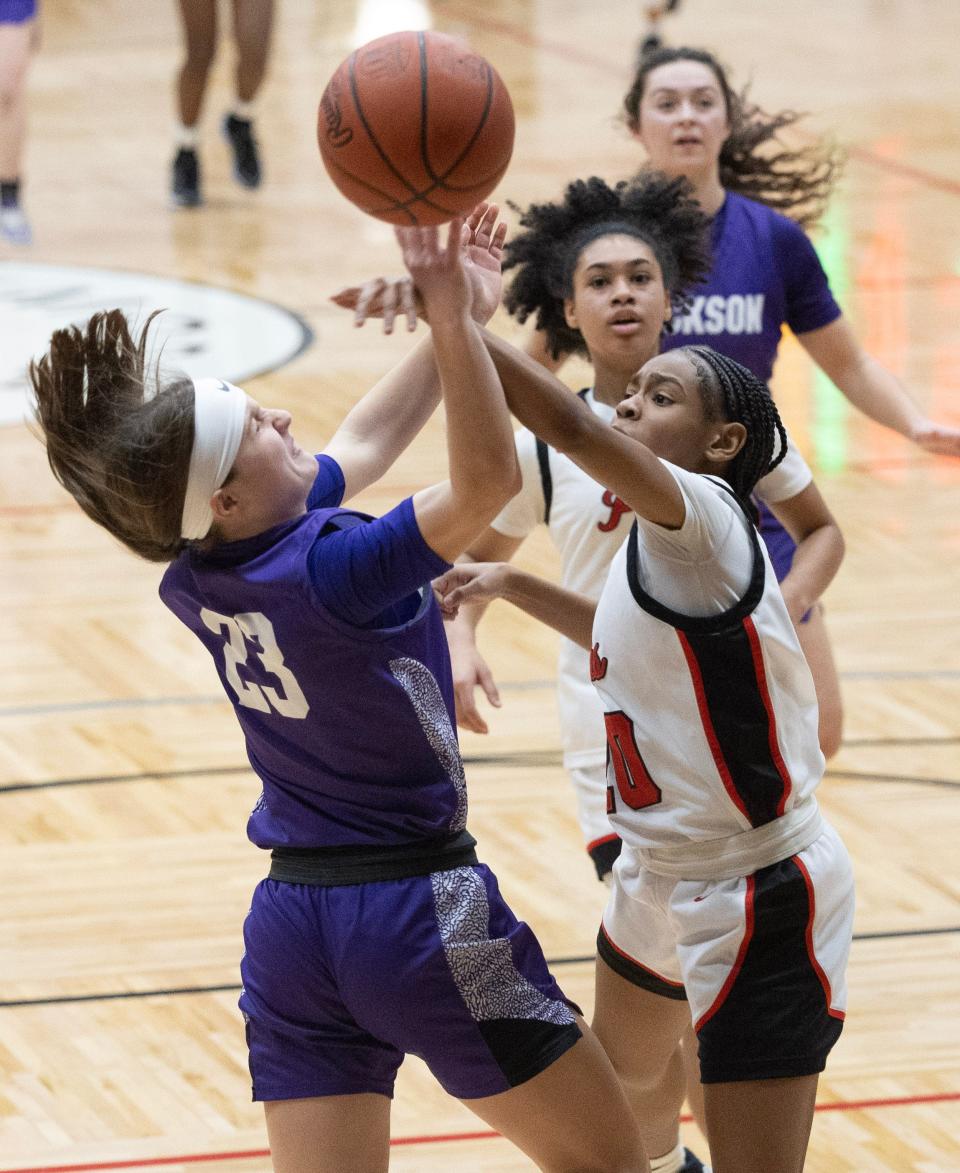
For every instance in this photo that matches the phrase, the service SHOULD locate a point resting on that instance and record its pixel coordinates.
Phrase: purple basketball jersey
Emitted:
(350, 729)
(765, 274)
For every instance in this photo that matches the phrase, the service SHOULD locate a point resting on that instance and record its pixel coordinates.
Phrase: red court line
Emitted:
(440, 1138)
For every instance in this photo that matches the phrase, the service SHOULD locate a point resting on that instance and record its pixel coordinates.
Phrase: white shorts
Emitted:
(761, 958)
(590, 788)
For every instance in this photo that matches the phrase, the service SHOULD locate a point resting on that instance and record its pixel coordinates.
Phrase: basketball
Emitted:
(415, 128)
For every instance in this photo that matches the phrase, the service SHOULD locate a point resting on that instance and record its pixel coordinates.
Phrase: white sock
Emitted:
(186, 137)
(671, 1162)
(244, 110)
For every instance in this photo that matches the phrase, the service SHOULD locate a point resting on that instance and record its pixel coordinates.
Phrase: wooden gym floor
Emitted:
(123, 785)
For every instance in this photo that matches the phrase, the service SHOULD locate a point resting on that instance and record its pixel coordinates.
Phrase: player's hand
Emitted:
(482, 245)
(382, 297)
(471, 582)
(437, 269)
(940, 439)
(470, 671)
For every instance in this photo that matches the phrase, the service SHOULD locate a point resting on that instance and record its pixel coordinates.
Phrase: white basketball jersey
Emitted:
(588, 524)
(711, 721)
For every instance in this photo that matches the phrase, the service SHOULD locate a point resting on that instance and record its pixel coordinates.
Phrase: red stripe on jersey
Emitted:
(741, 956)
(633, 961)
(774, 742)
(711, 733)
(817, 968)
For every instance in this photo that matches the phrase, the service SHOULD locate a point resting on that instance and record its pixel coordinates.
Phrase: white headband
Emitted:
(219, 415)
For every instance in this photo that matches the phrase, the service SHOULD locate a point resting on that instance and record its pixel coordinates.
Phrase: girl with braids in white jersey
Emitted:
(732, 899)
(602, 271)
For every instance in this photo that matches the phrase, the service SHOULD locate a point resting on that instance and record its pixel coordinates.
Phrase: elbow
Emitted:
(501, 482)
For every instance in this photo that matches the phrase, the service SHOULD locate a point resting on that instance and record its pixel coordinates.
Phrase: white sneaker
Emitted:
(14, 226)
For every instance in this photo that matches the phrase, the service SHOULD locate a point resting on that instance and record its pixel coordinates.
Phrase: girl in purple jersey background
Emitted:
(377, 932)
(766, 274)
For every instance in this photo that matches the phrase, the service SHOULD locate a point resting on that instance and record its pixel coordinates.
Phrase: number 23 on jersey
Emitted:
(250, 634)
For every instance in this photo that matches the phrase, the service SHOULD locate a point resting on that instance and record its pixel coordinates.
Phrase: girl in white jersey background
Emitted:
(731, 893)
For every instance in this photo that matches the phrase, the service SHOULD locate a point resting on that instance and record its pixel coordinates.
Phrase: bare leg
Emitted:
(815, 642)
(200, 36)
(640, 1031)
(571, 1118)
(252, 28)
(761, 1124)
(329, 1134)
(14, 56)
(691, 1064)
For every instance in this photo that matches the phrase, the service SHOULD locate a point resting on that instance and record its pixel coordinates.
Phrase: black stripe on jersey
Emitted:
(543, 460)
(732, 699)
(731, 692)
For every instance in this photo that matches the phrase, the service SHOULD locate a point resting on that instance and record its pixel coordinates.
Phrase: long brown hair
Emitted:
(753, 161)
(117, 440)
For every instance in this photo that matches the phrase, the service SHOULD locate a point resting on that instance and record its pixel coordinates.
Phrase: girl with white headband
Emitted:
(377, 932)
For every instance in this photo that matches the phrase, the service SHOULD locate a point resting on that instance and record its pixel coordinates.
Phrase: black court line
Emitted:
(536, 757)
(58, 708)
(585, 959)
(868, 742)
(910, 779)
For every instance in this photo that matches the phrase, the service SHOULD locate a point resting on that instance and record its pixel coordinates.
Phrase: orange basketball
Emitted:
(415, 128)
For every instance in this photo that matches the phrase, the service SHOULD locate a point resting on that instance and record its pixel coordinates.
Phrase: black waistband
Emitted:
(331, 867)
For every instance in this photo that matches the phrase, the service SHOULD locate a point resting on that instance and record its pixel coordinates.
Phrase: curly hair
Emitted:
(753, 161)
(732, 392)
(653, 208)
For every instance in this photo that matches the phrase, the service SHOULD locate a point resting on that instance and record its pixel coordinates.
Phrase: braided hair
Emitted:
(753, 161)
(732, 392)
(657, 210)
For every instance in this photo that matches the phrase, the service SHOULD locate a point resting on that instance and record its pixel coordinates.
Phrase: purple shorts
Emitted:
(780, 546)
(17, 11)
(339, 983)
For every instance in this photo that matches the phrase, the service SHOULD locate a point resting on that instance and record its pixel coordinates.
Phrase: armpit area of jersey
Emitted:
(333, 867)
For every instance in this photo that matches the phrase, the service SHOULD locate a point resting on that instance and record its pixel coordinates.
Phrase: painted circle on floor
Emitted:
(204, 331)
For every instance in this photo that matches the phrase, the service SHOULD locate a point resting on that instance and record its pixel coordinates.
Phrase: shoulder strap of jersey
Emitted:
(543, 460)
(546, 478)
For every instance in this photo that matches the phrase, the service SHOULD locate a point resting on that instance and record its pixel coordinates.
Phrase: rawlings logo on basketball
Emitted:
(384, 61)
(456, 63)
(338, 135)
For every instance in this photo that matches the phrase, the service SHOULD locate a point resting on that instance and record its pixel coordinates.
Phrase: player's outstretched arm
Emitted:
(565, 611)
(874, 390)
(625, 466)
(384, 423)
(484, 473)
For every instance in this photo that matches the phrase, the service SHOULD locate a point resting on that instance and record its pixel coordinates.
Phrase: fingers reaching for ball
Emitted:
(382, 297)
